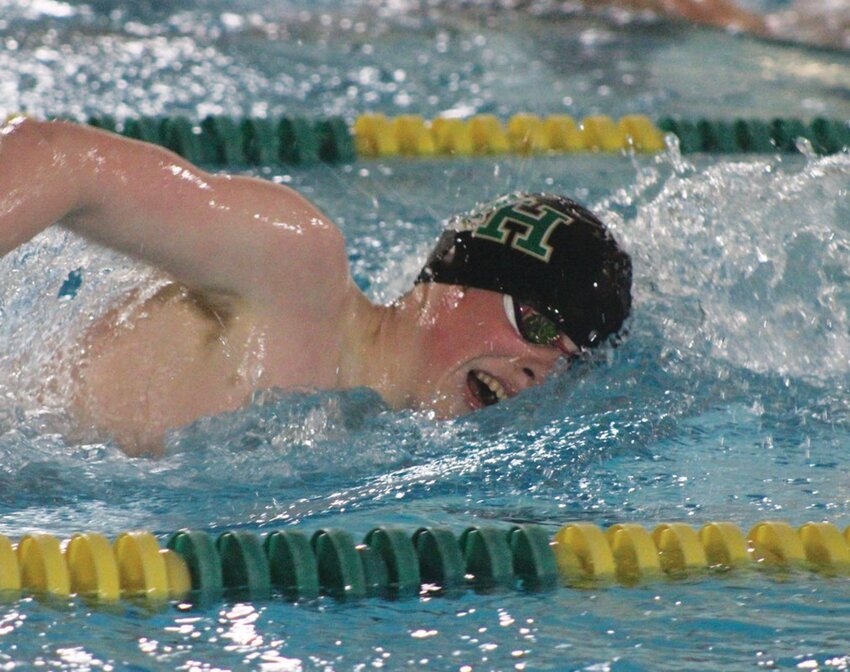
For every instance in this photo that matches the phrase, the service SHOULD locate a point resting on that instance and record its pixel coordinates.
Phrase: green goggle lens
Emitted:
(539, 329)
(534, 327)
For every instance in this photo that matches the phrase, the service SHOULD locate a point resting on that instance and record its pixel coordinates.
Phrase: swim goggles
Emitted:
(535, 327)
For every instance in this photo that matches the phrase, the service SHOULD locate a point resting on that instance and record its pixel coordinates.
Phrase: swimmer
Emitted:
(260, 294)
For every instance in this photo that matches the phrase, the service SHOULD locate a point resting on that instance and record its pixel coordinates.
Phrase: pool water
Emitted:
(728, 401)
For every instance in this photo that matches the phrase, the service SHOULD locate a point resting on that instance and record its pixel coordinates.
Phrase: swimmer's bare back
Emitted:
(262, 294)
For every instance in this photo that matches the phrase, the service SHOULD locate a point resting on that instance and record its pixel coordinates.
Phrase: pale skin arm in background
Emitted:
(260, 241)
(718, 13)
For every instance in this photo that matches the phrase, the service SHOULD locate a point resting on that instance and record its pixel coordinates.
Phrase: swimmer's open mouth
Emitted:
(486, 389)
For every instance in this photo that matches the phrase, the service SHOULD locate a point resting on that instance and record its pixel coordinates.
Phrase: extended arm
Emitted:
(718, 13)
(242, 235)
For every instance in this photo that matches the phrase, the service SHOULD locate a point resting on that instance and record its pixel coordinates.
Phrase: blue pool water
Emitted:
(729, 400)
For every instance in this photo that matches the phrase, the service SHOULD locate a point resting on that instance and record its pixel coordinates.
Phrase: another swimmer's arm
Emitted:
(719, 13)
(251, 237)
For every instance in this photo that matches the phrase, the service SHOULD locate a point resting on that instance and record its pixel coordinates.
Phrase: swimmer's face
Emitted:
(475, 355)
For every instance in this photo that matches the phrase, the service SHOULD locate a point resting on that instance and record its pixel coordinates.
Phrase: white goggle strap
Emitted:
(510, 312)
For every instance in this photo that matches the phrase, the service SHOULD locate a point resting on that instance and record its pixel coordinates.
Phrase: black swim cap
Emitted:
(546, 251)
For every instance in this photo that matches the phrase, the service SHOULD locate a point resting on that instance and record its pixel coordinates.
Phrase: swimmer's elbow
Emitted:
(26, 133)
(38, 149)
(19, 135)
(39, 185)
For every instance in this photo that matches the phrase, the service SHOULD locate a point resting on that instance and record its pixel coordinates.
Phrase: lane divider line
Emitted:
(392, 562)
(295, 140)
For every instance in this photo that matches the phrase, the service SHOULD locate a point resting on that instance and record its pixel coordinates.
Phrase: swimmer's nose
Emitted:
(536, 367)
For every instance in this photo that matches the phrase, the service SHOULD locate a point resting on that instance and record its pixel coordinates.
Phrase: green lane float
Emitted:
(533, 560)
(441, 562)
(393, 563)
(292, 564)
(826, 136)
(244, 564)
(261, 142)
(396, 550)
(376, 576)
(341, 572)
(225, 141)
(223, 144)
(198, 551)
(488, 557)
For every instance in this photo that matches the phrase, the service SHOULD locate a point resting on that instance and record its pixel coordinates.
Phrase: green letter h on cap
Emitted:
(534, 239)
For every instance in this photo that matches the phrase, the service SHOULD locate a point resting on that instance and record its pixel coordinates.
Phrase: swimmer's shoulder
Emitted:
(300, 250)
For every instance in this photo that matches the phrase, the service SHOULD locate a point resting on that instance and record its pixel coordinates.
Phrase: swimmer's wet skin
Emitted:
(509, 289)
